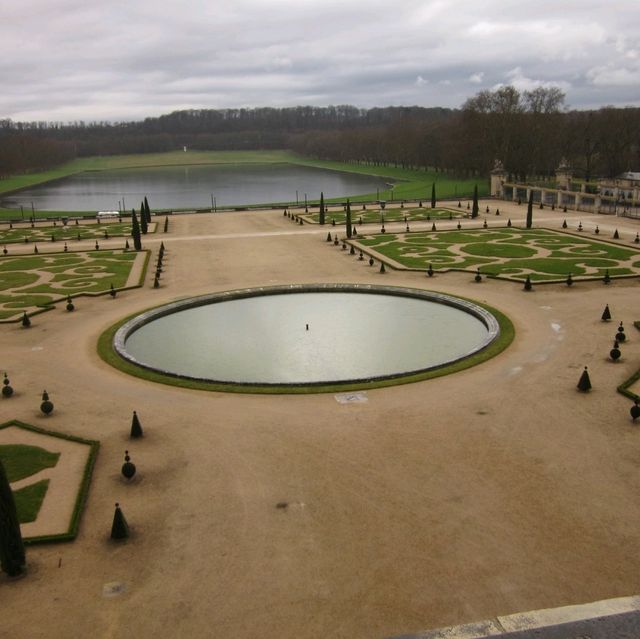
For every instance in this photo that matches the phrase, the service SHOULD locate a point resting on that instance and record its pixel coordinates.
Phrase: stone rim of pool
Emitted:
(123, 332)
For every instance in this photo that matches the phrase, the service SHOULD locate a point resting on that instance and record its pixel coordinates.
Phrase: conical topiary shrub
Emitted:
(564, 224)
(607, 278)
(527, 284)
(584, 383)
(329, 237)
(606, 314)
(136, 428)
(12, 558)
(616, 235)
(47, 405)
(119, 527)
(26, 322)
(128, 468)
(382, 269)
(430, 271)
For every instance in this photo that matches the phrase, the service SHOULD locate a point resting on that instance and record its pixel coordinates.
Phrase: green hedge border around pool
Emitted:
(83, 491)
(505, 336)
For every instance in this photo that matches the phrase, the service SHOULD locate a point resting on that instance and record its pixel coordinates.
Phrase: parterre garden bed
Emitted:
(28, 282)
(61, 233)
(393, 214)
(510, 253)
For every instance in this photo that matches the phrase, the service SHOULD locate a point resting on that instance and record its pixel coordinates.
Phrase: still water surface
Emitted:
(191, 187)
(265, 339)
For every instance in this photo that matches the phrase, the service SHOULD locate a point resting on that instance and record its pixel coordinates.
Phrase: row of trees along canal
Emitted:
(529, 131)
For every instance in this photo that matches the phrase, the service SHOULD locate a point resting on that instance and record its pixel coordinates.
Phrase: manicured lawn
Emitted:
(29, 500)
(512, 253)
(28, 282)
(20, 460)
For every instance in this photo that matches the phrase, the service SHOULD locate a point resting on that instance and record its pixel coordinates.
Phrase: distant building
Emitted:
(624, 187)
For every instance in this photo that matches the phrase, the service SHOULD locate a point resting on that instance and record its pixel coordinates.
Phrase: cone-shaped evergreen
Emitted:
(348, 222)
(530, 210)
(584, 384)
(616, 236)
(527, 284)
(136, 428)
(564, 224)
(143, 220)
(382, 269)
(26, 322)
(321, 207)
(147, 210)
(606, 314)
(329, 236)
(119, 528)
(509, 223)
(12, 559)
(430, 271)
(135, 231)
(475, 209)
(433, 195)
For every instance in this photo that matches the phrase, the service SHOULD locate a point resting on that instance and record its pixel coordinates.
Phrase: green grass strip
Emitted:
(29, 500)
(83, 490)
(20, 460)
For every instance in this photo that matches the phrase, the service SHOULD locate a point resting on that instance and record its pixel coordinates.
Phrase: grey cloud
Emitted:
(112, 60)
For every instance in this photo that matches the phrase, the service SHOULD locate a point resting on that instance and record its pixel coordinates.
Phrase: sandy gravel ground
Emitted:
(495, 490)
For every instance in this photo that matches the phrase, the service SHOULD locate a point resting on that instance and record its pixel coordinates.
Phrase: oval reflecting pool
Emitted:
(307, 334)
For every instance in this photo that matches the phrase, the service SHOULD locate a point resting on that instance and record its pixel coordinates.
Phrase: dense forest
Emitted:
(529, 131)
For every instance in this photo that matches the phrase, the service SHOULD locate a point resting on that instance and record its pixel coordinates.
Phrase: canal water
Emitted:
(191, 187)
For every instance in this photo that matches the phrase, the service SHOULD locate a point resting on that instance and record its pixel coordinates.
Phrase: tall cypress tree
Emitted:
(348, 223)
(135, 231)
(433, 195)
(143, 219)
(12, 559)
(530, 210)
(147, 210)
(321, 207)
(475, 209)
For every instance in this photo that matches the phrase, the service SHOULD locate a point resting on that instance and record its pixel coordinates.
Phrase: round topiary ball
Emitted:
(47, 406)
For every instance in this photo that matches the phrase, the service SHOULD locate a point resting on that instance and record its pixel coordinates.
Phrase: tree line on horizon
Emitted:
(530, 132)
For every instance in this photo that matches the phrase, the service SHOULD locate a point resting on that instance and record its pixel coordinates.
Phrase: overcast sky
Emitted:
(65, 60)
